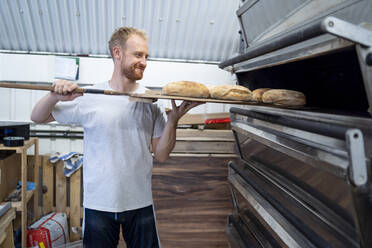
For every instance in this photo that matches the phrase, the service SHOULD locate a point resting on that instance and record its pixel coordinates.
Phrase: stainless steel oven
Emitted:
(304, 174)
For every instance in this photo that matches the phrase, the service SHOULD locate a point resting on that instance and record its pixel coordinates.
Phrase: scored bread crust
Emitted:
(186, 88)
(284, 97)
(230, 92)
(258, 93)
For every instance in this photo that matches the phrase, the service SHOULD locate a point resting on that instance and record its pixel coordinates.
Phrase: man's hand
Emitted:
(177, 112)
(63, 90)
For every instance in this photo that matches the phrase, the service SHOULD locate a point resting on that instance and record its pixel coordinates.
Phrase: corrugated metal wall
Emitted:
(204, 30)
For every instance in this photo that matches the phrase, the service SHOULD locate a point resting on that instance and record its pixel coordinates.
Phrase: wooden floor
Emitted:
(192, 201)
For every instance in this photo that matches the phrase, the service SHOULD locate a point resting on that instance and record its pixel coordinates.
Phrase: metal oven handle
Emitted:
(330, 24)
(306, 125)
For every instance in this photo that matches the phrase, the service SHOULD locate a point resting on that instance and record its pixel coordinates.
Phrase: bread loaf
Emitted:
(284, 97)
(230, 92)
(186, 88)
(257, 94)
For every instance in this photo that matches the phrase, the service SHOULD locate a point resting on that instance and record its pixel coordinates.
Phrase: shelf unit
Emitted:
(26, 195)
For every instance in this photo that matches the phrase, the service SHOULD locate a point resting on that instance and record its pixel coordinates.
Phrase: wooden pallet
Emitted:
(61, 190)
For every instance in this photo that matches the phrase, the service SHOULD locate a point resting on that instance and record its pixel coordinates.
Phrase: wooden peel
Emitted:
(149, 97)
(51, 88)
(77, 90)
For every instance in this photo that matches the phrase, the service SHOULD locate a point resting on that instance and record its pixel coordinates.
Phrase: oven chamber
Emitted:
(303, 177)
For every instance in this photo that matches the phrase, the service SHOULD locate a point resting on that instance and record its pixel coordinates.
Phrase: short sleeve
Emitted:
(159, 122)
(67, 112)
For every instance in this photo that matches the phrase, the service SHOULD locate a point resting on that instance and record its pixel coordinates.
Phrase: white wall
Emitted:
(16, 104)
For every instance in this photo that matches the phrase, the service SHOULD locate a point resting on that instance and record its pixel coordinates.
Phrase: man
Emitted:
(117, 137)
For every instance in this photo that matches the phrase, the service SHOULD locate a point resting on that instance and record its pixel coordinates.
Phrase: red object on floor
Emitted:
(221, 120)
(49, 231)
(39, 238)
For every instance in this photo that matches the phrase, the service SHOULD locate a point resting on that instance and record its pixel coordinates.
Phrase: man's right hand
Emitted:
(63, 90)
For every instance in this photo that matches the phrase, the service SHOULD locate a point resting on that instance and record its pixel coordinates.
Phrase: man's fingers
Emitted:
(193, 105)
(64, 87)
(184, 106)
(75, 95)
(59, 89)
(174, 104)
(73, 87)
(187, 105)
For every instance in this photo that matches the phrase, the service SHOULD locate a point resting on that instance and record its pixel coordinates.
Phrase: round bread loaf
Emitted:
(186, 88)
(230, 92)
(257, 94)
(284, 97)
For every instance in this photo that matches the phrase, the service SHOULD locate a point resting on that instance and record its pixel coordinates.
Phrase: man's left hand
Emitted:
(178, 111)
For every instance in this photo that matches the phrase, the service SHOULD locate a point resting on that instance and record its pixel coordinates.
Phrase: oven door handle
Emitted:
(328, 25)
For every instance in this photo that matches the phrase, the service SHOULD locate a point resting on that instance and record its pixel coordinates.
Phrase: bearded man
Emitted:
(117, 136)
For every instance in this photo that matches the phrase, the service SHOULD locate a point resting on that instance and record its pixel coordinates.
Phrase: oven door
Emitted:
(296, 183)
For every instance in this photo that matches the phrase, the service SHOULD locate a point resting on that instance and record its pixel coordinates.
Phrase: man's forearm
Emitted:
(42, 110)
(166, 142)
(163, 147)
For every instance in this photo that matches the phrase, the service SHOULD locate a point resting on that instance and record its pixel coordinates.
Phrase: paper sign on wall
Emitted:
(66, 68)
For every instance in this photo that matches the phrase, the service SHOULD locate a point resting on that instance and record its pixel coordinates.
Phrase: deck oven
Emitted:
(303, 177)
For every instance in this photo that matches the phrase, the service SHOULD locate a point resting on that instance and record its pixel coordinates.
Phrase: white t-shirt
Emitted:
(117, 137)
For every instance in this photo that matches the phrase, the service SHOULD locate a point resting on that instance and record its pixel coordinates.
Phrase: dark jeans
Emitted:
(102, 228)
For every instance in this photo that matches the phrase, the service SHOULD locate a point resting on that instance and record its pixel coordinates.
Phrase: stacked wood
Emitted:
(204, 143)
(192, 201)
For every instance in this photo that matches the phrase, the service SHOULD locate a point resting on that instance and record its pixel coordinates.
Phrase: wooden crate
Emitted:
(62, 194)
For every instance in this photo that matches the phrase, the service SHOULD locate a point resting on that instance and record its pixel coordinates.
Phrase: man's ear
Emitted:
(116, 51)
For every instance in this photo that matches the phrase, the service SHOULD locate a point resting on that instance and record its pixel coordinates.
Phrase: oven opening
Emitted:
(332, 82)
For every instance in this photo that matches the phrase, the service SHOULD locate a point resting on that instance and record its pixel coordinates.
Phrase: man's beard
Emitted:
(130, 73)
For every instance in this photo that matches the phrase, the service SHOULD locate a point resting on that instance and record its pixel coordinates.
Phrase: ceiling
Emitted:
(185, 30)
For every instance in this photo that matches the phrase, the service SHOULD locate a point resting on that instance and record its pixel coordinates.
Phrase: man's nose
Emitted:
(143, 62)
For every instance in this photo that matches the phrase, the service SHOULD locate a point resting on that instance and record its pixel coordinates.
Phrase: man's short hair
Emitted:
(121, 35)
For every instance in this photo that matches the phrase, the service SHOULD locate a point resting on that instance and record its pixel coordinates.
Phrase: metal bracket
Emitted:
(363, 38)
(347, 31)
(364, 55)
(357, 168)
(351, 32)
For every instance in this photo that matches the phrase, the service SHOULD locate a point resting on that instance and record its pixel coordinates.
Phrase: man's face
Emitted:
(135, 53)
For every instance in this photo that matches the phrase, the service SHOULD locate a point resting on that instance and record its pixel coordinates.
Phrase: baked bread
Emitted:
(257, 94)
(230, 92)
(186, 88)
(284, 97)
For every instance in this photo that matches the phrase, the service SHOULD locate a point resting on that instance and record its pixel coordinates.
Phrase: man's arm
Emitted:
(42, 112)
(163, 145)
